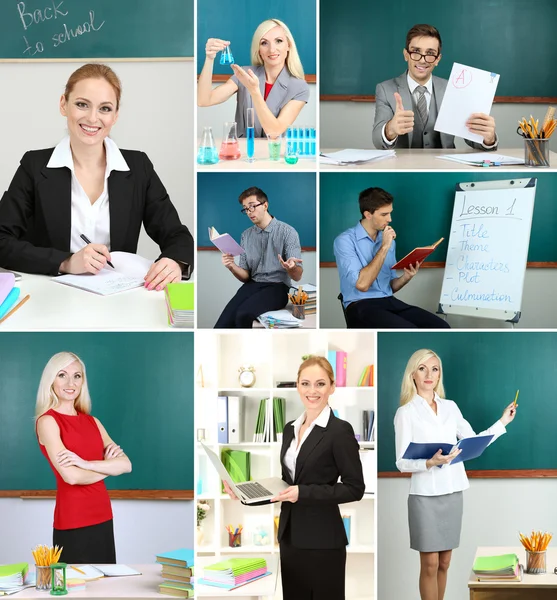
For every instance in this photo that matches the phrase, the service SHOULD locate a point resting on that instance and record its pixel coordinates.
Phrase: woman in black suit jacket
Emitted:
(317, 449)
(37, 211)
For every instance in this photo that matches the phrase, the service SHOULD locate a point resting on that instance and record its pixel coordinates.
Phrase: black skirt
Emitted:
(87, 545)
(311, 574)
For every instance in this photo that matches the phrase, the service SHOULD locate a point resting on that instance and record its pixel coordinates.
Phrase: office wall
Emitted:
(155, 98)
(494, 512)
(215, 116)
(350, 124)
(538, 299)
(216, 285)
(142, 528)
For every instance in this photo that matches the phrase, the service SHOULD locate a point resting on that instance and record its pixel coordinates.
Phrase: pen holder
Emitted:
(299, 311)
(234, 540)
(536, 152)
(535, 562)
(44, 579)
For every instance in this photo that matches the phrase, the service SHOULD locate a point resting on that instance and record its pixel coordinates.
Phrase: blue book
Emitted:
(332, 358)
(184, 557)
(471, 448)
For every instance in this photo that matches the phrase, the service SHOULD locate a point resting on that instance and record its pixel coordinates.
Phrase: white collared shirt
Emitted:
(417, 422)
(92, 220)
(291, 454)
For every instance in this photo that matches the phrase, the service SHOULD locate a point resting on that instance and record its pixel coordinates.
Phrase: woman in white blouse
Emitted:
(435, 500)
(69, 206)
(317, 449)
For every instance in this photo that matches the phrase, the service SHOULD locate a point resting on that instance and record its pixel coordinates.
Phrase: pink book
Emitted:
(341, 369)
(225, 242)
(7, 284)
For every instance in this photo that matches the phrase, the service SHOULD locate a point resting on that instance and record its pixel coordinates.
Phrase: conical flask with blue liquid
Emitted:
(207, 153)
(226, 57)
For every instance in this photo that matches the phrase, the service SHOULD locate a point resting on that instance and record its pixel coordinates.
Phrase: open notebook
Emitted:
(90, 572)
(128, 273)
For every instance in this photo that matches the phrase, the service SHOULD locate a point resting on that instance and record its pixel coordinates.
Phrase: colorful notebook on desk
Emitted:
(180, 299)
(184, 557)
(234, 572)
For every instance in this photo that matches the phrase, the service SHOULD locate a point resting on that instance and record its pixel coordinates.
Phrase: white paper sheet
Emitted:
(128, 273)
(351, 156)
(469, 90)
(474, 158)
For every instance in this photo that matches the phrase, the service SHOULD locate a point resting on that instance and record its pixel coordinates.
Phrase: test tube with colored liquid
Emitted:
(250, 134)
(301, 148)
(313, 142)
(307, 141)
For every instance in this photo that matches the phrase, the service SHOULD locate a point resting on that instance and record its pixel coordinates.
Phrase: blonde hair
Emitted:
(408, 388)
(293, 62)
(47, 399)
(322, 362)
(95, 71)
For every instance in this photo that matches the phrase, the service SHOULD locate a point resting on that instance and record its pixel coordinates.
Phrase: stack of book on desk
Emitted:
(179, 304)
(504, 567)
(13, 578)
(234, 572)
(177, 572)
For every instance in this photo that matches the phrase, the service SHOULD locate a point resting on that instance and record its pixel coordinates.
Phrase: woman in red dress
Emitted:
(82, 455)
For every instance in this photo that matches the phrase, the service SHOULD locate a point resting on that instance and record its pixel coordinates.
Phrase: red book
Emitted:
(417, 255)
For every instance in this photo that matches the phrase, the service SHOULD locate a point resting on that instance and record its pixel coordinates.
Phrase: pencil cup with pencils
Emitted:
(234, 536)
(45, 556)
(298, 300)
(536, 152)
(44, 580)
(535, 546)
(535, 562)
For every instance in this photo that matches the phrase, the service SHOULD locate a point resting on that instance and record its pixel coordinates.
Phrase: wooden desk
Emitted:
(410, 159)
(56, 307)
(262, 162)
(261, 589)
(532, 587)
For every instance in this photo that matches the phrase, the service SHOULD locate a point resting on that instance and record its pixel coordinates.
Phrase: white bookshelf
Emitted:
(276, 356)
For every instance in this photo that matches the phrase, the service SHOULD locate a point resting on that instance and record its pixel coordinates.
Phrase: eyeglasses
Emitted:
(416, 56)
(250, 208)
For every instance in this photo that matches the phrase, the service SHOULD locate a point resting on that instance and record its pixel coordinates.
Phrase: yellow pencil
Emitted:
(78, 570)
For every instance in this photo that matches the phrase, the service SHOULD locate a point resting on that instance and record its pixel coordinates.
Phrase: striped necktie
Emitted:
(422, 103)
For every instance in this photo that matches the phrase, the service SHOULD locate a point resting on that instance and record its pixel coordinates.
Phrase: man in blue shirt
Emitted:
(364, 255)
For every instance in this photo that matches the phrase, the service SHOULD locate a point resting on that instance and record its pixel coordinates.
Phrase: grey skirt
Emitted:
(435, 522)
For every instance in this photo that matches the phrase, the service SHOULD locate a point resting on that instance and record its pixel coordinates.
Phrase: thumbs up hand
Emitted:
(401, 123)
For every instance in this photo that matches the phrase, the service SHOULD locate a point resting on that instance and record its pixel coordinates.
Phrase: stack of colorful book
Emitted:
(234, 572)
(177, 572)
(13, 578)
(366, 378)
(179, 304)
(503, 567)
(270, 420)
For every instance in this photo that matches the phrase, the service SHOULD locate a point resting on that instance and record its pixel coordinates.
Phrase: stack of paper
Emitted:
(355, 157)
(13, 578)
(270, 420)
(279, 319)
(234, 572)
(504, 567)
(477, 159)
(180, 304)
(177, 571)
(128, 273)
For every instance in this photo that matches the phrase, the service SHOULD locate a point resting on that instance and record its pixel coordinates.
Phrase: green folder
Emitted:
(237, 463)
(9, 570)
(502, 562)
(180, 296)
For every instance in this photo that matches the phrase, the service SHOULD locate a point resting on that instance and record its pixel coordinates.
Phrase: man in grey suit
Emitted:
(406, 107)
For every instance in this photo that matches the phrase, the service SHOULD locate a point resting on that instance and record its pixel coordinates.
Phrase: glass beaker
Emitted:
(229, 148)
(274, 143)
(226, 57)
(250, 134)
(207, 152)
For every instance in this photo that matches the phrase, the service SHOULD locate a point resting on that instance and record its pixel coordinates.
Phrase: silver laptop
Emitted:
(249, 491)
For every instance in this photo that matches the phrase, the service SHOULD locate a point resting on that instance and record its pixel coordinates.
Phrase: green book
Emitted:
(15, 569)
(180, 296)
(238, 566)
(237, 463)
(502, 562)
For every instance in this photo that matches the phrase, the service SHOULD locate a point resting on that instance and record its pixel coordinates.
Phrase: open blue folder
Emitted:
(471, 447)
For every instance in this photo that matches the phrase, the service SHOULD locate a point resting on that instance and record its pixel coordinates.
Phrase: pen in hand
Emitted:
(88, 241)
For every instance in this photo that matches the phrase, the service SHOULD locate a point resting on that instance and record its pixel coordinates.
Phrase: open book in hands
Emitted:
(416, 256)
(225, 242)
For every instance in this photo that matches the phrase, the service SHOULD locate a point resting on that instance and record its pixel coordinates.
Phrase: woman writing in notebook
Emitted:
(317, 449)
(274, 85)
(435, 500)
(68, 207)
(82, 455)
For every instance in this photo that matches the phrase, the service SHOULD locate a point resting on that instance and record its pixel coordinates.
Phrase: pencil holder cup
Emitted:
(535, 562)
(299, 311)
(536, 152)
(234, 540)
(44, 579)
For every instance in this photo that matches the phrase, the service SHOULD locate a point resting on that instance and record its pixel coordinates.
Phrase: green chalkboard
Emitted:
(481, 373)
(237, 22)
(292, 199)
(141, 386)
(423, 208)
(58, 29)
(362, 42)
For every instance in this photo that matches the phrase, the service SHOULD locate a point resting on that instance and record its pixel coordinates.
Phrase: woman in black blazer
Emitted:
(88, 183)
(318, 448)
